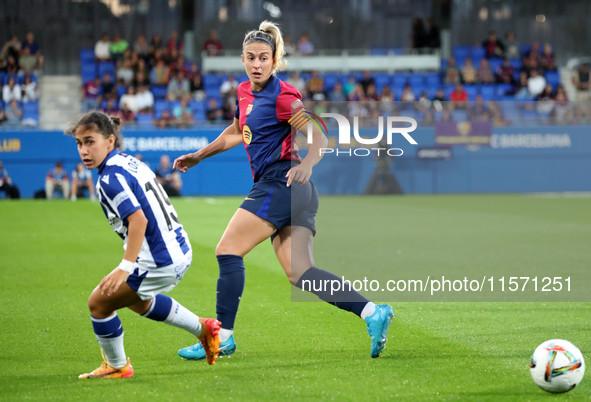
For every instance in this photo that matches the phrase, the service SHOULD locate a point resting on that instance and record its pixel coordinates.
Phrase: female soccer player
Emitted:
(157, 249)
(283, 202)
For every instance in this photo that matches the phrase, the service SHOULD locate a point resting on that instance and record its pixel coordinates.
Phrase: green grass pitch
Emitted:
(55, 253)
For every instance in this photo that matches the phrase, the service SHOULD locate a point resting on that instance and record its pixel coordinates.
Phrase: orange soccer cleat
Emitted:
(210, 339)
(106, 371)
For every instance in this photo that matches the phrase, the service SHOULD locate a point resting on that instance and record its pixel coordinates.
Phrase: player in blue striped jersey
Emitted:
(157, 249)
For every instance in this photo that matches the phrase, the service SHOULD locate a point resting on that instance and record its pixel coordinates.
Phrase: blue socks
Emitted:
(319, 282)
(229, 289)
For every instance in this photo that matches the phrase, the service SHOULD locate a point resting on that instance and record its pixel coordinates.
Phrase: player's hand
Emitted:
(299, 174)
(185, 162)
(110, 283)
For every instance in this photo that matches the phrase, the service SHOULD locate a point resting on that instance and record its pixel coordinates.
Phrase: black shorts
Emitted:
(272, 200)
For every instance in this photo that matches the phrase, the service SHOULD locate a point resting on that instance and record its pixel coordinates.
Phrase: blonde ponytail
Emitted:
(270, 33)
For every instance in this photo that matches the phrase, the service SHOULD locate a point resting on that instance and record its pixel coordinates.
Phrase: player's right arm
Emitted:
(228, 139)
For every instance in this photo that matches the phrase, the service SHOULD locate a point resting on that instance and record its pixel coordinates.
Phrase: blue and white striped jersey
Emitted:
(125, 185)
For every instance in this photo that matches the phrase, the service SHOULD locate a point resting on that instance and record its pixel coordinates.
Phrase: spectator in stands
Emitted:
(12, 66)
(304, 46)
(337, 94)
(183, 114)
(529, 64)
(11, 91)
(30, 90)
(13, 113)
(180, 64)
(547, 58)
(561, 103)
(452, 73)
(350, 86)
(296, 81)
(479, 110)
(34, 50)
(535, 53)
(118, 47)
(407, 95)
(513, 48)
(178, 87)
(141, 47)
(90, 94)
(418, 35)
(6, 185)
(372, 93)
(11, 48)
(129, 100)
(288, 46)
(433, 35)
(28, 63)
(228, 89)
(197, 89)
(144, 100)
(212, 45)
(581, 82)
(485, 74)
(3, 117)
(459, 96)
(521, 90)
(140, 79)
(124, 72)
(168, 178)
(102, 48)
(165, 120)
(469, 73)
(536, 83)
(493, 47)
(356, 94)
(111, 108)
(57, 178)
(214, 112)
(82, 180)
(439, 95)
(423, 103)
(366, 81)
(174, 43)
(386, 100)
(127, 115)
(108, 88)
(315, 86)
(160, 73)
(545, 101)
(505, 73)
(157, 42)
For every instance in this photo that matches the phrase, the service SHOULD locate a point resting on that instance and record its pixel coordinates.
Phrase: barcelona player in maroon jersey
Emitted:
(283, 202)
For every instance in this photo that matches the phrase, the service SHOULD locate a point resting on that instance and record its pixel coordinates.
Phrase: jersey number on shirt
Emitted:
(160, 194)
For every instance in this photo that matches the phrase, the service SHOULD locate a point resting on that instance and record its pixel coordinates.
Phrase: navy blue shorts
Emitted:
(272, 200)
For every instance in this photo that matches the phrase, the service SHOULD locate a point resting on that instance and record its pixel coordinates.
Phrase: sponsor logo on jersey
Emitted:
(246, 135)
(105, 179)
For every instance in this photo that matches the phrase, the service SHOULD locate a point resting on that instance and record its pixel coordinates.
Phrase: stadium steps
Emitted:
(60, 101)
(566, 76)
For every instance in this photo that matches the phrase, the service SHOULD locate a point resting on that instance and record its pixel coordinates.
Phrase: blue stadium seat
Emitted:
(86, 55)
(88, 72)
(396, 50)
(495, 63)
(461, 53)
(472, 91)
(525, 48)
(197, 105)
(160, 106)
(487, 92)
(417, 79)
(329, 81)
(529, 116)
(31, 111)
(381, 79)
(378, 51)
(199, 114)
(211, 80)
(418, 89)
(121, 90)
(444, 64)
(516, 64)
(144, 120)
(478, 52)
(501, 90)
(159, 91)
(399, 79)
(106, 67)
(241, 77)
(433, 80)
(553, 78)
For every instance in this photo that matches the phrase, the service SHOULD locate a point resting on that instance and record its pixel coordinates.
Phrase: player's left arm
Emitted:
(302, 172)
(136, 231)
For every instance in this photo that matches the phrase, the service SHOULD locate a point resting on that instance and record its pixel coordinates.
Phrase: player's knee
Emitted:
(224, 248)
(97, 310)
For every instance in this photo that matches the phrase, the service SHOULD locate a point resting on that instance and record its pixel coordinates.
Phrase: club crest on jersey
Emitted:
(249, 109)
(246, 134)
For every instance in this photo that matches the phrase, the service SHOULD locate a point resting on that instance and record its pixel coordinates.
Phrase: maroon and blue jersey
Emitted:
(263, 115)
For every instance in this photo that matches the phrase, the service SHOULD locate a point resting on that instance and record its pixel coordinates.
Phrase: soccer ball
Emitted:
(557, 366)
